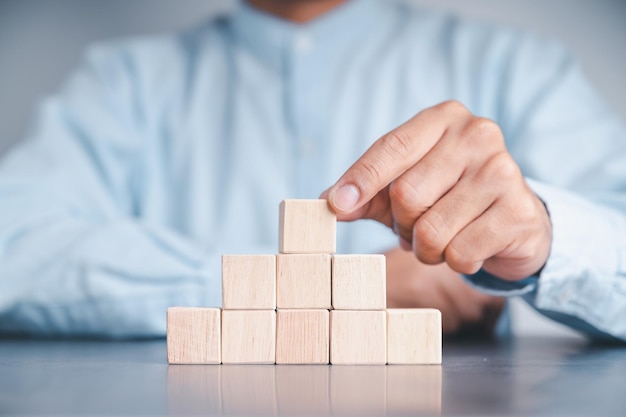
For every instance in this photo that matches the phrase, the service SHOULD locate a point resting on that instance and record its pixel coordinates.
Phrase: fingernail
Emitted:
(346, 198)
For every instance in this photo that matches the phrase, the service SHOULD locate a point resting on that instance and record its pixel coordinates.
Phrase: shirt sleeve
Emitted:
(75, 257)
(572, 149)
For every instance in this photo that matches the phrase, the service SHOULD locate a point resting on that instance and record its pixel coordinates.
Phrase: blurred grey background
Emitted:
(42, 40)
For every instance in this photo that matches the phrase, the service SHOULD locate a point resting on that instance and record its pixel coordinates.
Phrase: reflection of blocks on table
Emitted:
(303, 390)
(359, 282)
(194, 335)
(358, 390)
(414, 390)
(303, 281)
(249, 282)
(194, 390)
(358, 337)
(307, 226)
(413, 336)
(248, 336)
(248, 390)
(302, 336)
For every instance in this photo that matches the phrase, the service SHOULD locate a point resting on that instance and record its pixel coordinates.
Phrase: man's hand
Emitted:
(446, 184)
(412, 284)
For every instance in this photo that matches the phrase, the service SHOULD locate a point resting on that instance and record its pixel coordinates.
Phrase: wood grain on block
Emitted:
(413, 390)
(359, 282)
(302, 336)
(303, 281)
(358, 337)
(307, 226)
(248, 336)
(249, 282)
(193, 335)
(413, 336)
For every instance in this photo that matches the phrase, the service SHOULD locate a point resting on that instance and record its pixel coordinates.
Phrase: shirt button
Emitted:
(303, 43)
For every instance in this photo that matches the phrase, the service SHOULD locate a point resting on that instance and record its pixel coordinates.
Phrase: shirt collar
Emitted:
(271, 38)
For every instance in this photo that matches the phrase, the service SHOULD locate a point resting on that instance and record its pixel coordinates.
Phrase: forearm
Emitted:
(585, 276)
(114, 279)
(583, 283)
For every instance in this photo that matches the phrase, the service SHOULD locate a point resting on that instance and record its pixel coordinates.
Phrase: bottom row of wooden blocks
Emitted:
(213, 336)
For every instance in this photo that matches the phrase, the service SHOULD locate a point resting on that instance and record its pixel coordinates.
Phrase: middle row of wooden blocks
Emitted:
(303, 281)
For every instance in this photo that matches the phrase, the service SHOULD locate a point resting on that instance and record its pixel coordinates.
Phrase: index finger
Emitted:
(387, 159)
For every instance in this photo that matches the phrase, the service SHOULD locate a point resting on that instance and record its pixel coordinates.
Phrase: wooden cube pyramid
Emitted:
(304, 306)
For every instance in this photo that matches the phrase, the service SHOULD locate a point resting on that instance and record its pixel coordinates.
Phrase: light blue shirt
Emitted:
(162, 153)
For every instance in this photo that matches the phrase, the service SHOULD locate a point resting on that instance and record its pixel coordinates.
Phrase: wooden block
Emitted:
(193, 335)
(359, 282)
(358, 337)
(194, 390)
(248, 390)
(248, 336)
(249, 282)
(303, 281)
(302, 336)
(358, 390)
(307, 226)
(413, 390)
(303, 390)
(413, 336)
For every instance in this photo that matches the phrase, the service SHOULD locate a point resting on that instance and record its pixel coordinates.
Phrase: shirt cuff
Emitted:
(484, 282)
(584, 260)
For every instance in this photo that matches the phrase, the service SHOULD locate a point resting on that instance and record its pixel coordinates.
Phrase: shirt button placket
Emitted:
(306, 148)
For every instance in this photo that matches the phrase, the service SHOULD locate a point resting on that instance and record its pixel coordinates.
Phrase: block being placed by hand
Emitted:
(248, 336)
(193, 335)
(302, 336)
(413, 336)
(358, 337)
(359, 282)
(307, 226)
(249, 282)
(303, 281)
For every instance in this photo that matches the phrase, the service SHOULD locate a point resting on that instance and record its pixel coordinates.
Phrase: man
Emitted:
(163, 153)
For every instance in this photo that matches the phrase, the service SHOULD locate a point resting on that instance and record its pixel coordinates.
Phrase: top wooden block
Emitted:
(307, 226)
